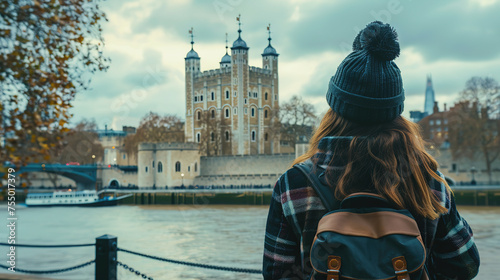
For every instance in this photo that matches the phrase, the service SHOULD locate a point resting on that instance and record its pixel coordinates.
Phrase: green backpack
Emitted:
(364, 237)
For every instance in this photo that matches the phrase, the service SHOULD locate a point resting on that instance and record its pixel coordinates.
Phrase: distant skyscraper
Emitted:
(429, 97)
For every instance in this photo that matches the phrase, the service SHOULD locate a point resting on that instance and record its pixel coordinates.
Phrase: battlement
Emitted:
(260, 70)
(213, 72)
(167, 146)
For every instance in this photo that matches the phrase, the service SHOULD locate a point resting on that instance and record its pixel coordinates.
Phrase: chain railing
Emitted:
(106, 261)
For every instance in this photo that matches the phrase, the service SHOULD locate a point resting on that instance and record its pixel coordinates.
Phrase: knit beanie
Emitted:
(367, 87)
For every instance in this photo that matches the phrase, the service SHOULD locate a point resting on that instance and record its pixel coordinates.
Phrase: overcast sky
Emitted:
(147, 41)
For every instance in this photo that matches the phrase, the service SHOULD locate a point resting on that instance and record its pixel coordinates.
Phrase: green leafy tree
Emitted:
(48, 49)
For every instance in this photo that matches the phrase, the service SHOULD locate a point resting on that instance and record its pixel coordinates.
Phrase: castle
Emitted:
(231, 109)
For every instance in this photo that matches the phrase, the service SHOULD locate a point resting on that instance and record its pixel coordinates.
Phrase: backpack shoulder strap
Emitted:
(324, 192)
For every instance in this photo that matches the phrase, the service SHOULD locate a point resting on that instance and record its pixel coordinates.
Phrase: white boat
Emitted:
(71, 198)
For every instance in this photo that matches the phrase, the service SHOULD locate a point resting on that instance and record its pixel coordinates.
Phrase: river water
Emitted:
(218, 235)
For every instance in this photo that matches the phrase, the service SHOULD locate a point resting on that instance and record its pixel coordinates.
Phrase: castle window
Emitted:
(146, 169)
(213, 114)
(255, 94)
(227, 135)
(265, 96)
(265, 114)
(265, 136)
(235, 93)
(235, 111)
(189, 168)
(178, 166)
(153, 164)
(431, 122)
(196, 99)
(160, 167)
(198, 136)
(227, 113)
(246, 111)
(253, 112)
(265, 67)
(245, 101)
(199, 115)
(212, 136)
(438, 122)
(253, 135)
(201, 97)
(227, 94)
(213, 95)
(195, 167)
(275, 97)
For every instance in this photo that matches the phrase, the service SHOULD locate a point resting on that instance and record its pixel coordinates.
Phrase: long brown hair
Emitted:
(389, 158)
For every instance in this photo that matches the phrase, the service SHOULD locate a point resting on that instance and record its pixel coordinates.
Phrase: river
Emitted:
(219, 235)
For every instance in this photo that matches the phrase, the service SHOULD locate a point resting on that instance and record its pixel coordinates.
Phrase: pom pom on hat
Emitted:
(379, 40)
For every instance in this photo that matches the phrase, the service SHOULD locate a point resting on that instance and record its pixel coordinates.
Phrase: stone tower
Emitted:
(239, 98)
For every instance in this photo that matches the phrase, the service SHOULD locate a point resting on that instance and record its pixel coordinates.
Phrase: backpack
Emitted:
(364, 237)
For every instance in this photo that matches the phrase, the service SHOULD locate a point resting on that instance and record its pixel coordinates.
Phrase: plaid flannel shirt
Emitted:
(296, 209)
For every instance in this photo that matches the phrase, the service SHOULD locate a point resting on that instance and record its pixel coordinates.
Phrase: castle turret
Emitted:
(192, 63)
(239, 86)
(270, 61)
(226, 59)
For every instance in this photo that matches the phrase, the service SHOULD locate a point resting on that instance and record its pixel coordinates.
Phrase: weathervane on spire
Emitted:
(269, 31)
(239, 25)
(226, 42)
(192, 41)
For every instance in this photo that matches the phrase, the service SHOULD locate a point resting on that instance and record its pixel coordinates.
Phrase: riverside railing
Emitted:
(106, 260)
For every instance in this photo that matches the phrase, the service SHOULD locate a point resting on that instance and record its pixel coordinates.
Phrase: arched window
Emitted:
(227, 113)
(253, 112)
(265, 114)
(213, 114)
(196, 99)
(213, 95)
(195, 167)
(198, 136)
(253, 135)
(201, 97)
(212, 136)
(146, 169)
(227, 94)
(199, 115)
(265, 96)
(265, 136)
(227, 135)
(178, 166)
(160, 167)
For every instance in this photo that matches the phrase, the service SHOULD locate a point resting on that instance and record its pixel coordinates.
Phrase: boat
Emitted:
(72, 198)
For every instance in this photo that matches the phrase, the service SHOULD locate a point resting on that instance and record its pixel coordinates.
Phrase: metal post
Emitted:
(105, 257)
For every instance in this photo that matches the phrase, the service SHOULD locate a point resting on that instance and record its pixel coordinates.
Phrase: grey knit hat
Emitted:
(367, 87)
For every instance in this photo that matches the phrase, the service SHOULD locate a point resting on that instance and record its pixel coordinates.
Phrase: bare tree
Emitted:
(475, 122)
(296, 118)
(155, 128)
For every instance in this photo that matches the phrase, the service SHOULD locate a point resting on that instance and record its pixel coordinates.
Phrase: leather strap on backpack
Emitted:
(333, 272)
(324, 192)
(401, 268)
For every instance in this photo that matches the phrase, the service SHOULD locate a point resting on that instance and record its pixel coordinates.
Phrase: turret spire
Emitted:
(192, 39)
(239, 25)
(269, 31)
(226, 43)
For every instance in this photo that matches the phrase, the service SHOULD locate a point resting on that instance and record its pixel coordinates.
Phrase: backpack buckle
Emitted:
(333, 272)
(400, 267)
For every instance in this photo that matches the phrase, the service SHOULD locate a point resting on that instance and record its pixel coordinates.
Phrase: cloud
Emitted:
(147, 41)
